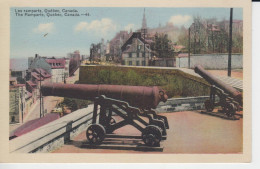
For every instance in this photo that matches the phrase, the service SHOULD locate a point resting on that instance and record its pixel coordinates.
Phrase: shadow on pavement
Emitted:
(117, 144)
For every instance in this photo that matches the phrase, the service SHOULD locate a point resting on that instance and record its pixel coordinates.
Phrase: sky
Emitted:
(59, 35)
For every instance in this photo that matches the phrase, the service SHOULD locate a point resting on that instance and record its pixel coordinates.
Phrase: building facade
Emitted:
(17, 105)
(74, 62)
(38, 62)
(57, 69)
(136, 52)
(116, 43)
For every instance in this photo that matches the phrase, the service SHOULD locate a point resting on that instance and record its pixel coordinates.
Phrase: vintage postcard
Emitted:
(134, 81)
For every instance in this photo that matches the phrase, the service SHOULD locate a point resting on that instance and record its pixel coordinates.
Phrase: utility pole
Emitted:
(64, 79)
(144, 46)
(22, 107)
(194, 46)
(144, 29)
(43, 114)
(230, 42)
(40, 95)
(189, 50)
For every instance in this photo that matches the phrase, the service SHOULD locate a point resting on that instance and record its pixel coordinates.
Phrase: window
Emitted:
(137, 54)
(137, 63)
(130, 55)
(130, 63)
(143, 54)
(143, 63)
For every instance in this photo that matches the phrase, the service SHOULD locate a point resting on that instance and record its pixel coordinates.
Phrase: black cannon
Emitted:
(229, 99)
(133, 104)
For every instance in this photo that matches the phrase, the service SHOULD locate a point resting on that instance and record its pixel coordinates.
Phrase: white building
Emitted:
(57, 69)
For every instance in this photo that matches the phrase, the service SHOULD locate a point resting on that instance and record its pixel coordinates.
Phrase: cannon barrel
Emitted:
(214, 81)
(138, 96)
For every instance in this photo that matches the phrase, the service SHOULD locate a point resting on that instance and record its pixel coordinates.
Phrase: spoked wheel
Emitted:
(230, 110)
(95, 133)
(152, 135)
(209, 106)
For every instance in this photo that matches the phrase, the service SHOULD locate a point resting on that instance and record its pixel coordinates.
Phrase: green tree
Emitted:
(162, 46)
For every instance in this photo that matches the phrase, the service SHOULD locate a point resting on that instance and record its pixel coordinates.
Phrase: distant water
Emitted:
(19, 64)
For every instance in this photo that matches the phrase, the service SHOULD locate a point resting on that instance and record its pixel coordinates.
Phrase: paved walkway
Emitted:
(190, 132)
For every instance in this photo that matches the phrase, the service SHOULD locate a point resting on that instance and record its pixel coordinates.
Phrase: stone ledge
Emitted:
(54, 134)
(182, 104)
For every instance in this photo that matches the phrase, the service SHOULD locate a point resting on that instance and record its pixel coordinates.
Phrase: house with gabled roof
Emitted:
(136, 51)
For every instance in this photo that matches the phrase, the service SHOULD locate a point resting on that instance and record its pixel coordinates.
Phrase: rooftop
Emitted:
(44, 73)
(56, 63)
(31, 83)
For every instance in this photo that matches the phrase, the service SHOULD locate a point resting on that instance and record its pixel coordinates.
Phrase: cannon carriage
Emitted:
(221, 95)
(133, 104)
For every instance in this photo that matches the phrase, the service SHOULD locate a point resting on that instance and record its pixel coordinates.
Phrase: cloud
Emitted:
(99, 27)
(181, 20)
(44, 28)
(130, 26)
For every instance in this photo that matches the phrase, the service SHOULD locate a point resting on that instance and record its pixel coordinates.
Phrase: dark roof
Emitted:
(129, 41)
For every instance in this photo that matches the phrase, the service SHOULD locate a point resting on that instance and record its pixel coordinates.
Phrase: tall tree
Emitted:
(162, 46)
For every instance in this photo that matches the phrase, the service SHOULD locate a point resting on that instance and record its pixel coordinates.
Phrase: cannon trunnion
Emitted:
(116, 106)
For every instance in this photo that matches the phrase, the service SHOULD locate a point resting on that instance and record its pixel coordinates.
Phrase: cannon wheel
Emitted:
(152, 135)
(230, 110)
(208, 106)
(95, 133)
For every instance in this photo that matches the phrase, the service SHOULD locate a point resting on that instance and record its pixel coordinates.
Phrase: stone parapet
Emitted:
(54, 134)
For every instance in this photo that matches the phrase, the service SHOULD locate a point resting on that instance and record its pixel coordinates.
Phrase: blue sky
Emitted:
(67, 34)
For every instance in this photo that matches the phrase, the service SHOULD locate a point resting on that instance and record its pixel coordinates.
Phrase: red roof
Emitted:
(12, 78)
(31, 83)
(178, 46)
(35, 75)
(33, 124)
(183, 55)
(56, 63)
(149, 41)
(19, 85)
(43, 72)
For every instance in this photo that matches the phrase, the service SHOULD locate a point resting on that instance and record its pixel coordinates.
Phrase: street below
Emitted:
(50, 102)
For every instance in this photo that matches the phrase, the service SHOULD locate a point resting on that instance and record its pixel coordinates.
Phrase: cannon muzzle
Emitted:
(139, 96)
(214, 81)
